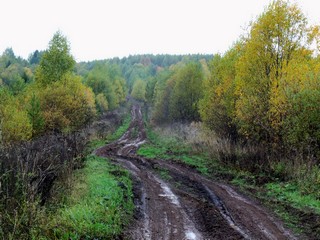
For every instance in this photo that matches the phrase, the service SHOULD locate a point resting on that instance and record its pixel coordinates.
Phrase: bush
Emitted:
(27, 173)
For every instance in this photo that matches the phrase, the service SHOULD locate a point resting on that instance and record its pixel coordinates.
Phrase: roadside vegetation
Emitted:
(249, 117)
(259, 98)
(46, 113)
(98, 205)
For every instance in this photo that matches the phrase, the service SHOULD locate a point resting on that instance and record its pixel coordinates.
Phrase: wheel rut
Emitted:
(186, 205)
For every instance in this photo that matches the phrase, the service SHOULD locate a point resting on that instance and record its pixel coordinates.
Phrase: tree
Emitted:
(34, 58)
(102, 103)
(35, 115)
(106, 79)
(139, 90)
(186, 93)
(67, 104)
(275, 38)
(14, 121)
(161, 96)
(56, 61)
(217, 107)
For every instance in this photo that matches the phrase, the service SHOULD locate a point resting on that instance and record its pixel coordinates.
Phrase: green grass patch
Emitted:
(99, 205)
(174, 149)
(152, 151)
(289, 193)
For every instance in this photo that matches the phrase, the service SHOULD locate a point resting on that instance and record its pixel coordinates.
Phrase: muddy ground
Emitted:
(186, 205)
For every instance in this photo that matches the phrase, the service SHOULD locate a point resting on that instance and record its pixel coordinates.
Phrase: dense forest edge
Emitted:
(249, 117)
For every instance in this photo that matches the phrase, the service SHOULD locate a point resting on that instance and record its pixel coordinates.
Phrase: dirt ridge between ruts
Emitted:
(188, 206)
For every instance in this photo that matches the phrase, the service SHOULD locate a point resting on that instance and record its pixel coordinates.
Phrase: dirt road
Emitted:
(186, 205)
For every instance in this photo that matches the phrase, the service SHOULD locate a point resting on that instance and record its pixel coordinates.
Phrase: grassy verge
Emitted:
(172, 149)
(121, 130)
(98, 206)
(289, 193)
(99, 203)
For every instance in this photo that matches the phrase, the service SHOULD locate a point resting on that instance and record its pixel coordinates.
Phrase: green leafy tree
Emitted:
(139, 90)
(102, 103)
(162, 96)
(56, 61)
(107, 80)
(15, 125)
(186, 93)
(35, 115)
(67, 104)
(217, 107)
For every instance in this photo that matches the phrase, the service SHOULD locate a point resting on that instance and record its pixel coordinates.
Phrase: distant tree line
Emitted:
(141, 66)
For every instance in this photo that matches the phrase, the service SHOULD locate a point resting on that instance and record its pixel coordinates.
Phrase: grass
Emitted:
(172, 149)
(99, 204)
(289, 193)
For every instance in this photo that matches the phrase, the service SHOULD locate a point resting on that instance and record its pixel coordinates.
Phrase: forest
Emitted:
(257, 105)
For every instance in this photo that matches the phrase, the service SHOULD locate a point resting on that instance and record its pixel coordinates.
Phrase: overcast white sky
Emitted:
(99, 29)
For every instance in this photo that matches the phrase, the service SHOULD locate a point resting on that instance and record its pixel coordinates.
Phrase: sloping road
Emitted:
(186, 205)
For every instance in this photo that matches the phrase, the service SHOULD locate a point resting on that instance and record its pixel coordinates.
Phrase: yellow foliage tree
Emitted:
(67, 104)
(275, 39)
(14, 121)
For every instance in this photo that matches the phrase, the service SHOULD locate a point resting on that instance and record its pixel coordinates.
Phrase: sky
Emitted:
(100, 29)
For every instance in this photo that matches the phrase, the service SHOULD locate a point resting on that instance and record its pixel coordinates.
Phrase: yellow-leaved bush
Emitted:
(67, 104)
(14, 121)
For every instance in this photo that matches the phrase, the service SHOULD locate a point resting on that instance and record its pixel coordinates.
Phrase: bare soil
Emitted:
(186, 205)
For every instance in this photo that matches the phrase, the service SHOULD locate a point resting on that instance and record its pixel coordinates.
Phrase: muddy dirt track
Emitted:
(185, 205)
